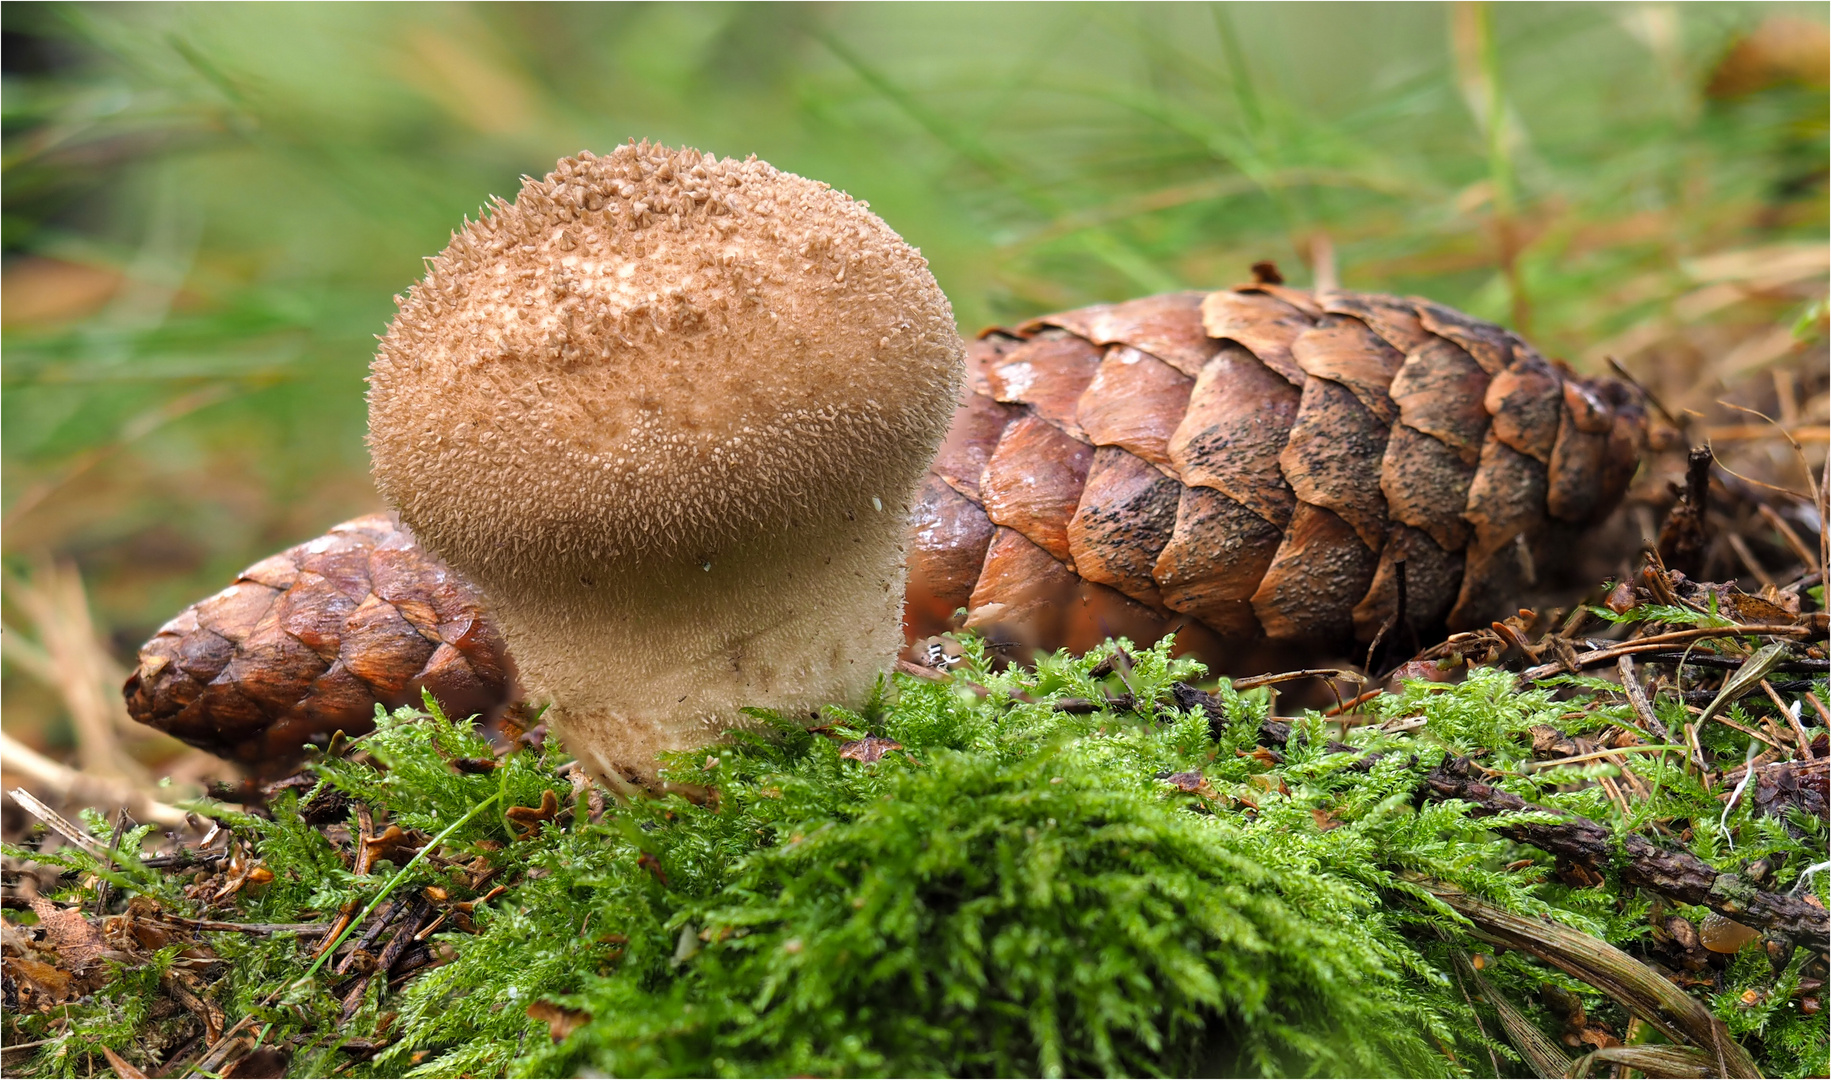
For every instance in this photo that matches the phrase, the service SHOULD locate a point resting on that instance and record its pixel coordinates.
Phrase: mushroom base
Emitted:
(666, 658)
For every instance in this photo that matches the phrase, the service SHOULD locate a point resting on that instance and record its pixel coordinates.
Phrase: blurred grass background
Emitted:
(208, 207)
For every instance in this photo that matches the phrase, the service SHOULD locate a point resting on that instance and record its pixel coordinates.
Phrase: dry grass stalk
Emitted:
(69, 658)
(70, 787)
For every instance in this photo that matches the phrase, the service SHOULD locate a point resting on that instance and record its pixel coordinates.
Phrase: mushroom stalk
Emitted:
(666, 659)
(669, 413)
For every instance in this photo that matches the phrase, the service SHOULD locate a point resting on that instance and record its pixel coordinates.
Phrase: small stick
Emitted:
(1812, 768)
(1824, 715)
(378, 926)
(59, 824)
(1726, 722)
(1613, 791)
(1350, 706)
(1795, 664)
(408, 933)
(1637, 699)
(188, 857)
(114, 845)
(1650, 748)
(1651, 644)
(365, 827)
(1292, 676)
(1792, 719)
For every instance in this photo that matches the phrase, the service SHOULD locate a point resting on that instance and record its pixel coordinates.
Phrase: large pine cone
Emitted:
(1259, 462)
(1250, 465)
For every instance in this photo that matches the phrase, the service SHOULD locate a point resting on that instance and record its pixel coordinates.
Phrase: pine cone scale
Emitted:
(1217, 554)
(1126, 515)
(1439, 392)
(1489, 345)
(1034, 482)
(1135, 402)
(1158, 325)
(1344, 350)
(1319, 573)
(1333, 457)
(1239, 420)
(1394, 320)
(1048, 374)
(1264, 325)
(1426, 485)
(948, 537)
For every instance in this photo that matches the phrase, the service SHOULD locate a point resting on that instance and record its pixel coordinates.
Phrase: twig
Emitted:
(1761, 767)
(1750, 732)
(1696, 755)
(1804, 665)
(212, 1019)
(1649, 644)
(1357, 702)
(183, 858)
(1792, 718)
(1740, 547)
(365, 826)
(114, 845)
(393, 882)
(1293, 676)
(1637, 699)
(1539, 766)
(59, 824)
(1679, 875)
(1534, 1045)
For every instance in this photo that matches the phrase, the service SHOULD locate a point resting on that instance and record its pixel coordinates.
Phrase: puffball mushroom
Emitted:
(669, 413)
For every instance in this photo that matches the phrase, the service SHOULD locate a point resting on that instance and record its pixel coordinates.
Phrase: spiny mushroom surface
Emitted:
(669, 413)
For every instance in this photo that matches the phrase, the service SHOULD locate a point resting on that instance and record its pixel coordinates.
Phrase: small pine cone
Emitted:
(1258, 463)
(1249, 465)
(307, 642)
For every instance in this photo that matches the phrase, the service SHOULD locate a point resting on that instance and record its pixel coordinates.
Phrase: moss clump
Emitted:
(1010, 888)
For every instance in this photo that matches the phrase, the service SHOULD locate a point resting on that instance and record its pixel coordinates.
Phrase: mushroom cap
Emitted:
(653, 355)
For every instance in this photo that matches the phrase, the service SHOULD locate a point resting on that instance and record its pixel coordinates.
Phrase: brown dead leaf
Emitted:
(391, 843)
(1620, 599)
(1324, 820)
(528, 820)
(77, 943)
(869, 749)
(1192, 782)
(45, 979)
(560, 1020)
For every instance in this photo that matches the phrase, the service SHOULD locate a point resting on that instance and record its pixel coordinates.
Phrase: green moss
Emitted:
(1013, 890)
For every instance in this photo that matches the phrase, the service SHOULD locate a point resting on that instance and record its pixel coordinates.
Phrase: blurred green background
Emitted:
(208, 207)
